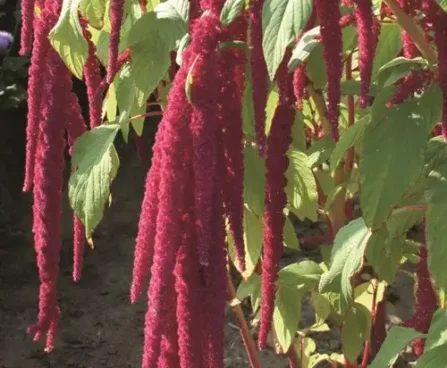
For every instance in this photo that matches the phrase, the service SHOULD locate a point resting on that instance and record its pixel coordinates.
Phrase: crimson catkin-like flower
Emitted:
(415, 82)
(426, 301)
(37, 71)
(276, 162)
(75, 126)
(259, 74)
(204, 126)
(175, 163)
(409, 47)
(231, 72)
(328, 12)
(92, 75)
(438, 17)
(26, 34)
(116, 17)
(48, 194)
(147, 224)
(368, 30)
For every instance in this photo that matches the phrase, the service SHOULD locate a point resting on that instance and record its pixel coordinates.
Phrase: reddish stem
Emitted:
(294, 361)
(247, 338)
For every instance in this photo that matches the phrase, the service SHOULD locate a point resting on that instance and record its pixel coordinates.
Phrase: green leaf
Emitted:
(94, 11)
(388, 47)
(301, 186)
(183, 44)
(399, 137)
(436, 227)
(346, 259)
(175, 10)
(384, 254)
(442, 4)
(320, 151)
(67, 39)
(96, 163)
(289, 234)
(272, 102)
(249, 287)
(253, 236)
(437, 334)
(230, 11)
(435, 153)
(355, 330)
(305, 348)
(282, 22)
(151, 39)
(294, 281)
(254, 180)
(349, 138)
(248, 119)
(435, 358)
(321, 306)
(396, 340)
(304, 48)
(397, 68)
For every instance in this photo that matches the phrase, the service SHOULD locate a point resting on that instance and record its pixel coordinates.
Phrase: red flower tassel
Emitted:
(116, 17)
(368, 29)
(328, 12)
(277, 162)
(409, 47)
(26, 35)
(416, 82)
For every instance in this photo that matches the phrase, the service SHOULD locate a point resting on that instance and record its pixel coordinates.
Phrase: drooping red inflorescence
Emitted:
(204, 127)
(92, 75)
(410, 7)
(116, 18)
(75, 126)
(27, 18)
(259, 74)
(231, 72)
(278, 143)
(328, 12)
(416, 82)
(368, 30)
(37, 72)
(426, 302)
(438, 18)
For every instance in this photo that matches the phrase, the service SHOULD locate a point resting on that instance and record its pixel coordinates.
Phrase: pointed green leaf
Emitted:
(303, 48)
(230, 10)
(399, 137)
(346, 259)
(436, 153)
(249, 287)
(254, 180)
(437, 334)
(67, 39)
(176, 10)
(272, 103)
(290, 238)
(94, 11)
(396, 340)
(301, 186)
(304, 275)
(95, 163)
(436, 227)
(435, 358)
(355, 330)
(349, 138)
(282, 22)
(388, 47)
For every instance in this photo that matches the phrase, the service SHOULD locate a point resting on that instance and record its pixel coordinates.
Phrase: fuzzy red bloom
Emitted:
(231, 73)
(409, 47)
(328, 12)
(175, 163)
(48, 195)
(116, 17)
(416, 82)
(439, 20)
(147, 224)
(259, 74)
(426, 302)
(92, 75)
(37, 72)
(276, 162)
(26, 35)
(204, 126)
(368, 29)
(75, 126)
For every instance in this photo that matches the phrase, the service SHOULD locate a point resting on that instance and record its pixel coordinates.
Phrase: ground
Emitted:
(99, 327)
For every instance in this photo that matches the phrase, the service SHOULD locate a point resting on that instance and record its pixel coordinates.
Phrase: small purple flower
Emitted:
(6, 40)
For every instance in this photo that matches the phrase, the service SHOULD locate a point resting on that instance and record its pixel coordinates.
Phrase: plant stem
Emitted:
(349, 162)
(151, 113)
(247, 338)
(294, 360)
(367, 347)
(413, 30)
(411, 208)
